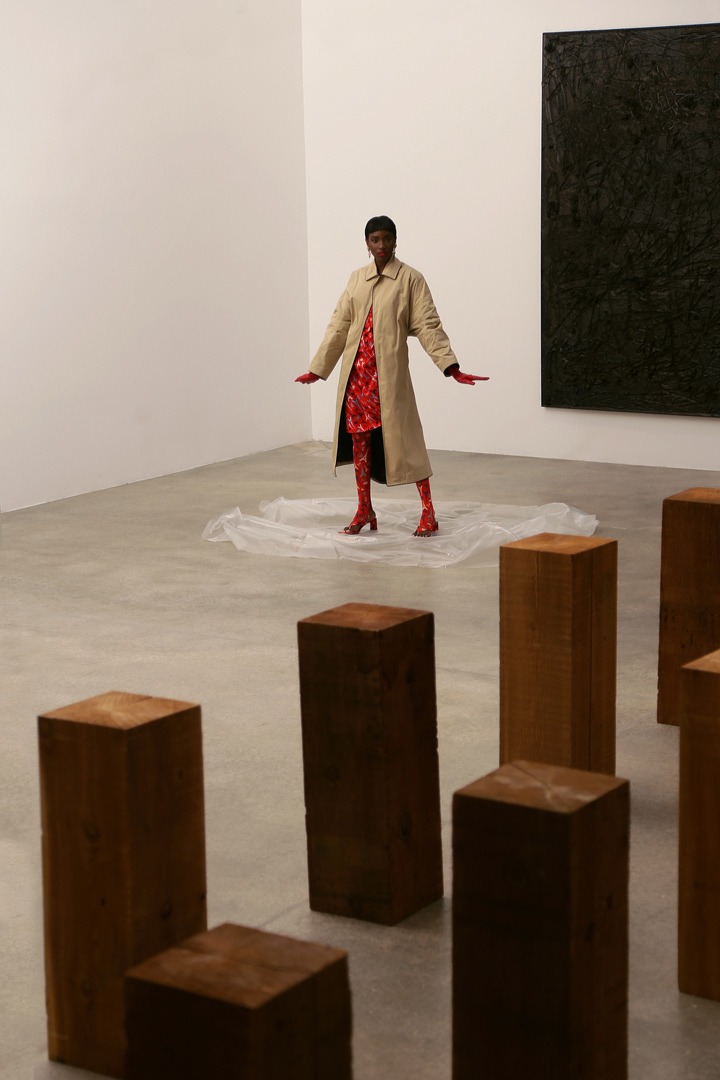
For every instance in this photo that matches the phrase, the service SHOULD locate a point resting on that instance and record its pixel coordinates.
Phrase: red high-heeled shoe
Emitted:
(359, 522)
(428, 524)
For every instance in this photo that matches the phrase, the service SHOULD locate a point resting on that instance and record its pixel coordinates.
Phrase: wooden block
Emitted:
(240, 1004)
(540, 925)
(699, 836)
(689, 590)
(558, 647)
(123, 846)
(372, 794)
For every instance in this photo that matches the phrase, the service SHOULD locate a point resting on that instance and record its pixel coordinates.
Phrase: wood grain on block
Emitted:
(369, 729)
(558, 648)
(689, 590)
(699, 835)
(540, 925)
(240, 1004)
(121, 783)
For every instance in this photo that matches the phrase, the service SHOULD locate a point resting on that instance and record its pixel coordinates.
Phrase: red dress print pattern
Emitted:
(362, 400)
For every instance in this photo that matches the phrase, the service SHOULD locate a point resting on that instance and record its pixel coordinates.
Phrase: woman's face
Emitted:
(381, 245)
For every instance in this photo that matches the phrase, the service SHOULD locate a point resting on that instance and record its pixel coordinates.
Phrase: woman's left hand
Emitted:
(468, 380)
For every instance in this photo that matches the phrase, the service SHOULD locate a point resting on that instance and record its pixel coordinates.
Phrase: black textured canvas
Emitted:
(631, 220)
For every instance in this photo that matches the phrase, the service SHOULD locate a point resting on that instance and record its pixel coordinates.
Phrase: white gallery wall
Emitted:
(430, 112)
(153, 276)
(175, 176)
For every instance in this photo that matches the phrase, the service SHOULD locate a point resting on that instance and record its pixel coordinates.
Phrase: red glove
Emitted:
(308, 377)
(468, 380)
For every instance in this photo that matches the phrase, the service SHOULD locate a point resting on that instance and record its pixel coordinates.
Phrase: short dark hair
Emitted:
(375, 224)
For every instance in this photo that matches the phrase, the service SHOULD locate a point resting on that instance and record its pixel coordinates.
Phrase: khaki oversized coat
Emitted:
(402, 307)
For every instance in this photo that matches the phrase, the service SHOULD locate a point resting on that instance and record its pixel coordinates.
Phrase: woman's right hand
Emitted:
(308, 377)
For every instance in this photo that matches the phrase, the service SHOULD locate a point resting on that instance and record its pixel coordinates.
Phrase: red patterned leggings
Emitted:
(361, 461)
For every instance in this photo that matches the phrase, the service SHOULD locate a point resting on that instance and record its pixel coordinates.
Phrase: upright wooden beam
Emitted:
(540, 925)
(558, 646)
(369, 728)
(699, 839)
(689, 590)
(240, 1004)
(123, 843)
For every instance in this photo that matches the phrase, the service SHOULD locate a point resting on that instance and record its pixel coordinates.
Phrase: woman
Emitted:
(377, 426)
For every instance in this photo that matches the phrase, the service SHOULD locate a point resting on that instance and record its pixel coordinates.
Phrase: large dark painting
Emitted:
(631, 220)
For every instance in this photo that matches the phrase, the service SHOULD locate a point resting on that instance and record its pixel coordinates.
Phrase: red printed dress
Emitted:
(362, 400)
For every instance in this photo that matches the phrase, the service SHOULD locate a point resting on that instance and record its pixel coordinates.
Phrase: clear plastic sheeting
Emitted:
(469, 532)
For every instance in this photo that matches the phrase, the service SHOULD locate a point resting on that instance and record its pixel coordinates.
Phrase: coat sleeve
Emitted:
(425, 325)
(333, 344)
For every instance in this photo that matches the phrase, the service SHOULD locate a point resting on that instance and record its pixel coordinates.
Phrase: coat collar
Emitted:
(391, 270)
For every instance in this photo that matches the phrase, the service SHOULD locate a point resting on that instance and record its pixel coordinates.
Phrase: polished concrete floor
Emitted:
(116, 590)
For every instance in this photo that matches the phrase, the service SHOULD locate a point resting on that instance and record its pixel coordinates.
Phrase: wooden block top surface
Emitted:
(541, 787)
(709, 663)
(237, 964)
(698, 495)
(560, 543)
(118, 710)
(369, 617)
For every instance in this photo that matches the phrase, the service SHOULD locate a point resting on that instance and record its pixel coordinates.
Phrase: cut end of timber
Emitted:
(543, 787)
(368, 617)
(697, 494)
(237, 964)
(116, 709)
(562, 543)
(709, 663)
